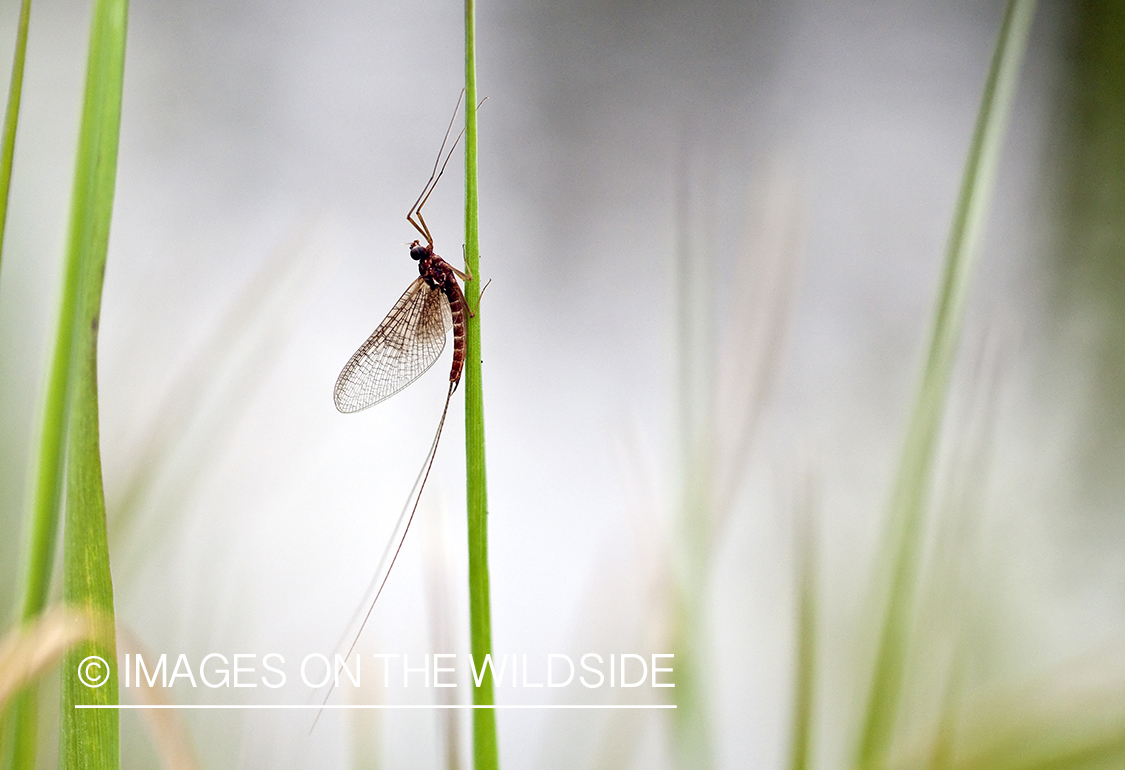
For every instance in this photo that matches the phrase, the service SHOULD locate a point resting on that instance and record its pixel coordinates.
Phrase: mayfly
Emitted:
(406, 344)
(412, 336)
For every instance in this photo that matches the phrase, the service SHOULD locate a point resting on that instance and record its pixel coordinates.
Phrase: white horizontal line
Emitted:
(361, 706)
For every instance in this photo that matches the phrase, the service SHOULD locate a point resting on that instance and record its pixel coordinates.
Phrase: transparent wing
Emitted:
(399, 351)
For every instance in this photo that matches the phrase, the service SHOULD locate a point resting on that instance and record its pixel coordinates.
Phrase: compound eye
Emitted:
(417, 251)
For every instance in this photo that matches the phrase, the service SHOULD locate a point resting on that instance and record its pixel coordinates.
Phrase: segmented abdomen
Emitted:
(458, 308)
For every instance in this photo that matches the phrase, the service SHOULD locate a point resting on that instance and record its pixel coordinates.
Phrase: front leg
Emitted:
(465, 276)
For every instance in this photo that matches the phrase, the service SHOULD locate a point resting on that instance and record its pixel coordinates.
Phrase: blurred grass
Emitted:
(29, 650)
(724, 372)
(198, 417)
(11, 116)
(906, 521)
(18, 724)
(804, 674)
(1089, 257)
(693, 283)
(165, 726)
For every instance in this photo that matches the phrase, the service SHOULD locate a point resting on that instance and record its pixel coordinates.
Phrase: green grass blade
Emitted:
(485, 750)
(905, 525)
(89, 737)
(11, 116)
(18, 743)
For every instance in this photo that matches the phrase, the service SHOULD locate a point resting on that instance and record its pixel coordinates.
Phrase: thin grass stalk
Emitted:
(804, 679)
(19, 727)
(693, 527)
(485, 750)
(89, 737)
(903, 544)
(12, 114)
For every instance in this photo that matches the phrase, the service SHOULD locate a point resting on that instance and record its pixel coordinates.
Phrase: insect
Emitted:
(400, 350)
(412, 336)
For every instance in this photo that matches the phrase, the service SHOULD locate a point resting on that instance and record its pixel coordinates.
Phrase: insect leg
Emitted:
(435, 175)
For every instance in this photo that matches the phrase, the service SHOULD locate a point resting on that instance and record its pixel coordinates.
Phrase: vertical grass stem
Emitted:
(485, 749)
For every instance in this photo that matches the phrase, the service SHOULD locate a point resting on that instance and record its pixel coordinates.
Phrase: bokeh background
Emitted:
(735, 209)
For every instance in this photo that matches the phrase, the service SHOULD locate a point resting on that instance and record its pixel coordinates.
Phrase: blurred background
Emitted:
(714, 232)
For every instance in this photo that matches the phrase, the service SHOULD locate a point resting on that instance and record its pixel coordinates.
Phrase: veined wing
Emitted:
(399, 351)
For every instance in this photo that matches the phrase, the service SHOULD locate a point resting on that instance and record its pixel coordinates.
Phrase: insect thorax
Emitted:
(435, 272)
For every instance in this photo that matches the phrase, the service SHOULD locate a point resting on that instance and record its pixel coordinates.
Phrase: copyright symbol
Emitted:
(93, 671)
